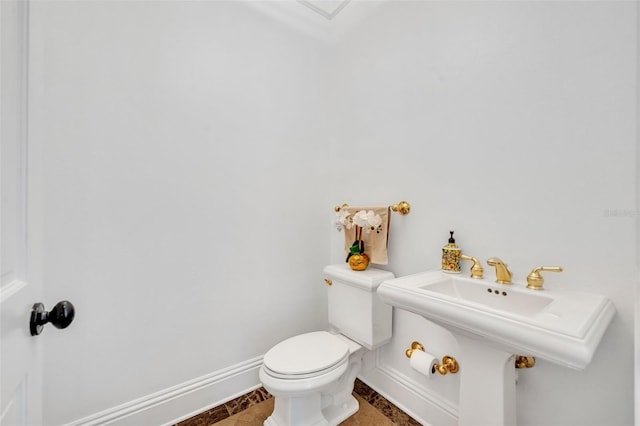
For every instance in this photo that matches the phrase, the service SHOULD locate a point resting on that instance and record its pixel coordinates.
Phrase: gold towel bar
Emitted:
(403, 207)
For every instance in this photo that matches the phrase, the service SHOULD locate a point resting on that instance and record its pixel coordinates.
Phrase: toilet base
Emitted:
(297, 411)
(323, 400)
(337, 414)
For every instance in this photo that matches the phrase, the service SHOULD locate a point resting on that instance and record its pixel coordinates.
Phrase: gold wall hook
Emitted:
(449, 365)
(415, 346)
(525, 361)
(328, 281)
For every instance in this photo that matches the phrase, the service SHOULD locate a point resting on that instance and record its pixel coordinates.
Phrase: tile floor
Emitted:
(254, 407)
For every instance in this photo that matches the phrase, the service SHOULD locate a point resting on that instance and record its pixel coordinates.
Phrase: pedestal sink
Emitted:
(495, 322)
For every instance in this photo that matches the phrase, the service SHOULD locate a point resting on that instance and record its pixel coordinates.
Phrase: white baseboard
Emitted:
(410, 396)
(182, 401)
(185, 400)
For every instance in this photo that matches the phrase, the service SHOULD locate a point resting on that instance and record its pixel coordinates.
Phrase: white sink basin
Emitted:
(494, 297)
(564, 327)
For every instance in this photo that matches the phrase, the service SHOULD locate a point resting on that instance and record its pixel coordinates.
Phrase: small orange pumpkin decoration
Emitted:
(359, 262)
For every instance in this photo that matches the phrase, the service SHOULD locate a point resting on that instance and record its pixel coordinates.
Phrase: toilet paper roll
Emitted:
(423, 362)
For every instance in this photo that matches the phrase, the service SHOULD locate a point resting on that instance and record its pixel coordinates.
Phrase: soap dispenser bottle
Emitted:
(451, 256)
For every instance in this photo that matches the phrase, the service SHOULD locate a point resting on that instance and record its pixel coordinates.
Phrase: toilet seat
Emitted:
(306, 355)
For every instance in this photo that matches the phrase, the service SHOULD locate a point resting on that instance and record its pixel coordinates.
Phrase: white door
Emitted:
(20, 288)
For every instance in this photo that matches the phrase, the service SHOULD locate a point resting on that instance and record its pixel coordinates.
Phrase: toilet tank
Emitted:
(354, 307)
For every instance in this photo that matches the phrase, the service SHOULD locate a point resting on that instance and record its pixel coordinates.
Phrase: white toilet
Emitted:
(312, 375)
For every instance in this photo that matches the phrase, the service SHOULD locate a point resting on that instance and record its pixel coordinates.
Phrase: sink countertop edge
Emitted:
(552, 344)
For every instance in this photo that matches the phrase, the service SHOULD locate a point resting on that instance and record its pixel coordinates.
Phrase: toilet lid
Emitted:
(306, 354)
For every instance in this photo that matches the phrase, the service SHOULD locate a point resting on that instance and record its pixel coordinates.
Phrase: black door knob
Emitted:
(60, 316)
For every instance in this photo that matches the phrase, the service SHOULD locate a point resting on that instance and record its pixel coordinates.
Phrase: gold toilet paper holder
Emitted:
(448, 364)
(414, 346)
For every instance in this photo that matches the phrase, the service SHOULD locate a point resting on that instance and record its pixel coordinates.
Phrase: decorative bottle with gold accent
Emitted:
(451, 256)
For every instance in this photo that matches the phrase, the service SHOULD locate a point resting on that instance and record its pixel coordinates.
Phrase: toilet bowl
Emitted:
(306, 373)
(312, 375)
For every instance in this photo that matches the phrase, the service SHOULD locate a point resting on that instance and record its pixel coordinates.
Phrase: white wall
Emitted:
(637, 307)
(512, 123)
(195, 150)
(185, 207)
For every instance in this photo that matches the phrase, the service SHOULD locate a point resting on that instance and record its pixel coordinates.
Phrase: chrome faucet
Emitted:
(503, 274)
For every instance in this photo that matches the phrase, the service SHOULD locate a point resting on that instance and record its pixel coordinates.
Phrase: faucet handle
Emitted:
(535, 279)
(476, 270)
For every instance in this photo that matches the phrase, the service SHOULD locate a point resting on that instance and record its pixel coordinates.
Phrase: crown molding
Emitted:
(326, 8)
(324, 20)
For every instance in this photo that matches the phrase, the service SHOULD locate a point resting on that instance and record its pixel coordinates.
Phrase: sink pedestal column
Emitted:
(487, 385)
